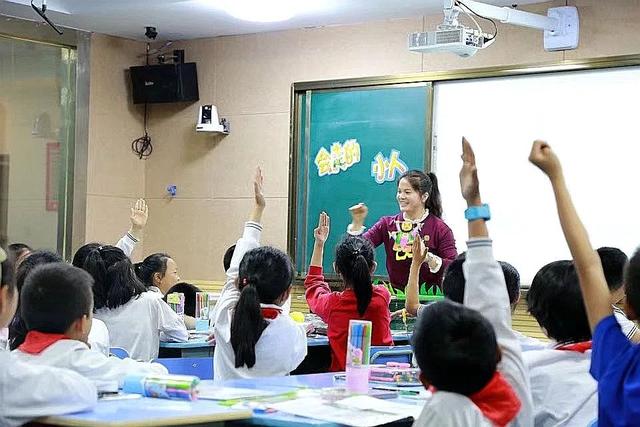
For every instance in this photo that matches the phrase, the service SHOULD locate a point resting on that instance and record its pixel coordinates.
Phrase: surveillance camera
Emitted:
(151, 32)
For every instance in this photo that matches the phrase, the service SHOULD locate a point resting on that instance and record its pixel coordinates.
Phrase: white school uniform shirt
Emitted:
(485, 292)
(30, 391)
(564, 392)
(283, 343)
(127, 243)
(99, 337)
(628, 327)
(139, 325)
(78, 357)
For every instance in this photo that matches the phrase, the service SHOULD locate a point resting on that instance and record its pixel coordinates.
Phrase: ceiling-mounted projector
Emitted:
(561, 28)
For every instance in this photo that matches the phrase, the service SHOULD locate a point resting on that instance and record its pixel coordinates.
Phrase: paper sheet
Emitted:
(229, 393)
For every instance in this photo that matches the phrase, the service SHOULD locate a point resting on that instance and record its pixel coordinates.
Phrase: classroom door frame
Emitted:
(303, 90)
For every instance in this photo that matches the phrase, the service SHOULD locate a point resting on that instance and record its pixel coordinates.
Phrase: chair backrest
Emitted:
(118, 352)
(201, 367)
(380, 355)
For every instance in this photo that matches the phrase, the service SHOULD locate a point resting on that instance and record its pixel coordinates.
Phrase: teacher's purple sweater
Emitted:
(397, 235)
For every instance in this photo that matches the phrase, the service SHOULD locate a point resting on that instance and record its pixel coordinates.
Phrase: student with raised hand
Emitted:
(615, 361)
(29, 391)
(57, 307)
(137, 319)
(360, 299)
(469, 355)
(254, 338)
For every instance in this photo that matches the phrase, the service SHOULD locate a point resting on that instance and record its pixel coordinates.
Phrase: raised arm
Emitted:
(587, 262)
(317, 291)
(138, 218)
(419, 251)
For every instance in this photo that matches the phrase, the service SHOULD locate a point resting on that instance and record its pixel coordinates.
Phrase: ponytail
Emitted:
(361, 281)
(154, 263)
(354, 261)
(434, 202)
(247, 325)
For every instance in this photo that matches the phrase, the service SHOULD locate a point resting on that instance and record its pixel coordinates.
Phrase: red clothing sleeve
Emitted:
(317, 292)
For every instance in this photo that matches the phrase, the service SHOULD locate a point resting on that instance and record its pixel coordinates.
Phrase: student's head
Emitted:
(57, 299)
(555, 300)
(455, 347)
(453, 283)
(226, 261)
(417, 190)
(81, 254)
(115, 282)
(632, 286)
(19, 251)
(264, 277)
(8, 291)
(355, 264)
(613, 262)
(159, 270)
(189, 292)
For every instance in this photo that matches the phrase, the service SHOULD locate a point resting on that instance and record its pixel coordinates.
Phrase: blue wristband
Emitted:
(473, 213)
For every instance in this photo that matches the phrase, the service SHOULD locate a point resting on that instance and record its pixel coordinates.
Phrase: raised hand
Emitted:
(544, 158)
(419, 250)
(358, 214)
(139, 215)
(321, 233)
(469, 184)
(258, 190)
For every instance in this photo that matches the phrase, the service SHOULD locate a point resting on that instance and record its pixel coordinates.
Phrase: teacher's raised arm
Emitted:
(420, 214)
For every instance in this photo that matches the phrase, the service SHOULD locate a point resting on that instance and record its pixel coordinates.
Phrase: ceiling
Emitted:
(188, 19)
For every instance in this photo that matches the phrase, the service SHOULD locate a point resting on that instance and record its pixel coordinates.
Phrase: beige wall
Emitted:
(249, 78)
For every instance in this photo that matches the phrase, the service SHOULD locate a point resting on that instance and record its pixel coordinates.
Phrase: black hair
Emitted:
(613, 262)
(265, 273)
(453, 283)
(555, 300)
(18, 250)
(426, 183)
(17, 327)
(455, 347)
(54, 296)
(354, 261)
(226, 261)
(154, 263)
(115, 282)
(632, 282)
(81, 254)
(8, 272)
(189, 292)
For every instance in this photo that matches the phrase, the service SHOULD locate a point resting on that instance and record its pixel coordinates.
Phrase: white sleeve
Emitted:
(127, 243)
(299, 348)
(230, 294)
(98, 367)
(486, 292)
(99, 337)
(30, 391)
(353, 232)
(170, 325)
(628, 327)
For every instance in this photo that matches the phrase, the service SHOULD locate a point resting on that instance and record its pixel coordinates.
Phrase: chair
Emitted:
(201, 367)
(118, 352)
(380, 355)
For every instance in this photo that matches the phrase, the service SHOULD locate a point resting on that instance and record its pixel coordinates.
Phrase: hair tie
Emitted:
(356, 252)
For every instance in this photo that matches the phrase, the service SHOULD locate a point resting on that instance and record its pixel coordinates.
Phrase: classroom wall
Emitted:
(249, 77)
(115, 177)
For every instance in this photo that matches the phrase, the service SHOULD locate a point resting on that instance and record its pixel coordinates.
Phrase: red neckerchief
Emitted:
(580, 347)
(497, 401)
(36, 342)
(270, 312)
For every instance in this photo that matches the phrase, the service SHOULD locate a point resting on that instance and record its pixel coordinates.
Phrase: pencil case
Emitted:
(182, 387)
(394, 372)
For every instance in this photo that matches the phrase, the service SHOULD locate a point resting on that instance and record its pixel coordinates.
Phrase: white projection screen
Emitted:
(592, 121)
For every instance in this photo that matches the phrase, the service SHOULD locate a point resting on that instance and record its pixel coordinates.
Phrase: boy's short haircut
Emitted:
(613, 263)
(455, 347)
(632, 282)
(189, 292)
(226, 261)
(555, 300)
(454, 283)
(54, 296)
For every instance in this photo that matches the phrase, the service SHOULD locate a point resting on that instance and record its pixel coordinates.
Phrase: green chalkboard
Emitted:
(352, 145)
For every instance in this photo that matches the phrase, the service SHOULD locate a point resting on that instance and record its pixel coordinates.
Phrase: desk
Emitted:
(149, 412)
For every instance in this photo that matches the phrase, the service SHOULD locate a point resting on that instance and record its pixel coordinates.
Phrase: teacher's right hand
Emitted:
(358, 214)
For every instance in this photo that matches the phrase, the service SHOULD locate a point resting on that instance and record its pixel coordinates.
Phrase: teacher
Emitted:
(420, 211)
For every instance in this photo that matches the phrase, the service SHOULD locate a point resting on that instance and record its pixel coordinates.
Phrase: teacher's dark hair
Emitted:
(354, 261)
(426, 184)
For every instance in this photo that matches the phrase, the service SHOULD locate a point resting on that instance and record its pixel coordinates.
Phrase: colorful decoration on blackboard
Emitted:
(384, 169)
(339, 158)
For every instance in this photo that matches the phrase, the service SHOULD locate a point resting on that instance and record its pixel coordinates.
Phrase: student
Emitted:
(137, 320)
(189, 292)
(563, 391)
(57, 307)
(19, 251)
(30, 391)
(359, 300)
(128, 242)
(158, 272)
(615, 361)
(98, 336)
(469, 355)
(253, 337)
(613, 263)
(453, 286)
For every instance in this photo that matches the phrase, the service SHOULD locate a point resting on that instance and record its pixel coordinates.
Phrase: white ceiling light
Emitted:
(261, 10)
